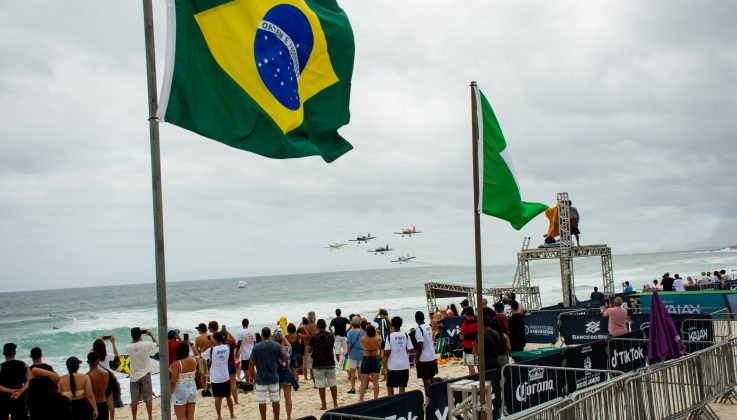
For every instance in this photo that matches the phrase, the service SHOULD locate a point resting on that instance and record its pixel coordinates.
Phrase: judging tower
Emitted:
(565, 253)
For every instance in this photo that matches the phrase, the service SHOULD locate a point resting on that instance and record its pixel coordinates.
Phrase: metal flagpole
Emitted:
(153, 127)
(482, 410)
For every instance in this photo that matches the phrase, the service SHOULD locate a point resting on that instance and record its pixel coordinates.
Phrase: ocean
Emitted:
(65, 322)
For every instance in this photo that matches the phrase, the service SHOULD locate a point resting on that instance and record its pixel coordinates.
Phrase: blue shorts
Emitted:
(295, 361)
(371, 364)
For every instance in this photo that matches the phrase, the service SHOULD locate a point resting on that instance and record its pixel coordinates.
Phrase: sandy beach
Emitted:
(305, 402)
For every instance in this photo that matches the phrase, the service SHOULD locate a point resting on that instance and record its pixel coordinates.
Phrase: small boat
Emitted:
(242, 284)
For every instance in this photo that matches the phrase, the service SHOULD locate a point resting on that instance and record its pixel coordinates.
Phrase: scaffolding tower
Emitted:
(565, 253)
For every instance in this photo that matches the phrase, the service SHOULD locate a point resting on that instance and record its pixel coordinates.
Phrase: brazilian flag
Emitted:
(269, 76)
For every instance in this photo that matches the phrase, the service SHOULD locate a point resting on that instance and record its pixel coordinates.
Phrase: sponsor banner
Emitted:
(437, 396)
(698, 334)
(406, 406)
(626, 353)
(586, 356)
(641, 322)
(541, 328)
(527, 387)
(451, 328)
(579, 329)
(689, 302)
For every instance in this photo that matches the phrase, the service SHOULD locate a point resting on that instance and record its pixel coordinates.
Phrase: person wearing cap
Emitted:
(202, 342)
(503, 320)
(14, 381)
(172, 342)
(667, 282)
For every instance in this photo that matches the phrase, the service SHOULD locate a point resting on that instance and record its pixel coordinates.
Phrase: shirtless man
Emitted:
(310, 329)
(202, 342)
(99, 379)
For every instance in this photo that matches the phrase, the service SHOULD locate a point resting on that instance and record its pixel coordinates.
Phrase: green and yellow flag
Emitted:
(269, 76)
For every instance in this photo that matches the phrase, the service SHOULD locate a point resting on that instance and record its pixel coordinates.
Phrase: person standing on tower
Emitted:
(573, 212)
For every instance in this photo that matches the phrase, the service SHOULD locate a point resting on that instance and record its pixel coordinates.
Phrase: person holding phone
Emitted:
(218, 356)
(172, 342)
(139, 352)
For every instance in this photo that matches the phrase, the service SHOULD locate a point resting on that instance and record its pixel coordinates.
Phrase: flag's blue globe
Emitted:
(282, 47)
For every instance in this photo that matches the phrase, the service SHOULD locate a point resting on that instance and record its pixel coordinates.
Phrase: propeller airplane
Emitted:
(402, 259)
(381, 250)
(363, 239)
(335, 245)
(409, 232)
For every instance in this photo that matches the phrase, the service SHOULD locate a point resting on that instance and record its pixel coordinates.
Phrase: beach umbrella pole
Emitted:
(153, 126)
(477, 241)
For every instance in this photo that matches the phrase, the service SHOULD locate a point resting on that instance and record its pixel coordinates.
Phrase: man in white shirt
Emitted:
(219, 376)
(139, 352)
(397, 359)
(678, 284)
(246, 340)
(704, 279)
(427, 366)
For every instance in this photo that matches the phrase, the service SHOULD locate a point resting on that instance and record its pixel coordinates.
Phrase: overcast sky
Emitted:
(631, 107)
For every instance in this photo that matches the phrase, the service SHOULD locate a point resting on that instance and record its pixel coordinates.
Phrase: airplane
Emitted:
(409, 232)
(363, 239)
(381, 250)
(402, 259)
(335, 245)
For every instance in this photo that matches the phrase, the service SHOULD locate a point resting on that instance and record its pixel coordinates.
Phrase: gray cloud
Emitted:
(629, 107)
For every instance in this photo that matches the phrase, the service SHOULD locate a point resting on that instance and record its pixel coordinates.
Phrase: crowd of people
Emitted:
(37, 390)
(678, 284)
(273, 363)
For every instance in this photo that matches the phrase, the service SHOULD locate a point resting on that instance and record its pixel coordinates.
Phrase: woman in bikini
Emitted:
(78, 388)
(182, 385)
(371, 362)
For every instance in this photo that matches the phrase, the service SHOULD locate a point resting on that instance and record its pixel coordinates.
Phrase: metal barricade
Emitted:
(341, 416)
(672, 389)
(723, 325)
(538, 385)
(544, 411)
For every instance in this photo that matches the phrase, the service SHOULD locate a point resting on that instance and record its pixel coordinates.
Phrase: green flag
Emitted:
(270, 76)
(499, 189)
